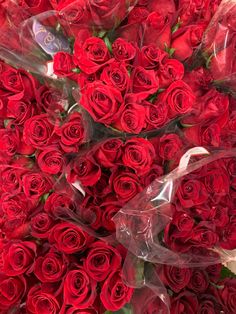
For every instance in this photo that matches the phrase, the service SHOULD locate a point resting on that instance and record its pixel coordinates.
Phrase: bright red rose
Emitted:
(108, 153)
(139, 154)
(51, 267)
(51, 160)
(20, 110)
(79, 289)
(63, 65)
(39, 300)
(101, 259)
(72, 133)
(156, 115)
(35, 184)
(9, 142)
(35, 6)
(12, 290)
(92, 56)
(102, 102)
(123, 50)
(15, 205)
(18, 257)
(41, 225)
(171, 70)
(151, 57)
(115, 294)
(69, 238)
(50, 100)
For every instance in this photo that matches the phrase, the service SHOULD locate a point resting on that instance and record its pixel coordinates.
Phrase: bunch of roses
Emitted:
(112, 173)
(204, 209)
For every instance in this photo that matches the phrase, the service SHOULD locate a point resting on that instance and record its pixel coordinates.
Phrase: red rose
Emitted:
(20, 110)
(132, 119)
(11, 178)
(199, 80)
(217, 180)
(92, 56)
(214, 272)
(209, 305)
(156, 115)
(12, 291)
(79, 289)
(19, 83)
(51, 267)
(51, 160)
(18, 257)
(72, 133)
(85, 170)
(40, 300)
(161, 6)
(109, 209)
(157, 30)
(191, 192)
(9, 142)
(15, 205)
(115, 74)
(39, 131)
(185, 302)
(115, 294)
(151, 57)
(199, 281)
(179, 98)
(35, 6)
(102, 102)
(144, 82)
(35, 184)
(41, 225)
(228, 294)
(139, 155)
(50, 100)
(63, 65)
(186, 40)
(108, 153)
(123, 50)
(69, 238)
(137, 15)
(101, 259)
(174, 277)
(204, 236)
(169, 146)
(228, 239)
(171, 70)
(155, 172)
(75, 310)
(126, 185)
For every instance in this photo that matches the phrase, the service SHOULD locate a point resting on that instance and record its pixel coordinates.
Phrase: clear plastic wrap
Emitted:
(184, 218)
(218, 46)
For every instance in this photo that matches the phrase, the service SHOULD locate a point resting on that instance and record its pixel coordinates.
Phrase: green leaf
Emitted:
(208, 62)
(76, 70)
(171, 51)
(6, 122)
(226, 273)
(176, 26)
(108, 43)
(101, 34)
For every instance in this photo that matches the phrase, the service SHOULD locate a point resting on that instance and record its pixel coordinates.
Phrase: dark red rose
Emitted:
(157, 114)
(20, 83)
(185, 302)
(20, 110)
(174, 277)
(155, 172)
(51, 160)
(162, 6)
(157, 30)
(91, 215)
(209, 305)
(191, 192)
(206, 134)
(137, 15)
(75, 310)
(101, 259)
(203, 235)
(85, 170)
(132, 119)
(41, 225)
(69, 238)
(144, 82)
(228, 239)
(126, 185)
(228, 294)
(151, 57)
(199, 80)
(51, 267)
(123, 50)
(39, 131)
(108, 153)
(102, 102)
(79, 289)
(179, 98)
(63, 65)
(169, 146)
(18, 257)
(115, 294)
(39, 300)
(50, 100)
(186, 40)
(139, 154)
(214, 271)
(171, 70)
(85, 79)
(92, 56)
(115, 74)
(12, 291)
(109, 209)
(72, 133)
(216, 180)
(199, 281)
(35, 6)
(182, 222)
(35, 184)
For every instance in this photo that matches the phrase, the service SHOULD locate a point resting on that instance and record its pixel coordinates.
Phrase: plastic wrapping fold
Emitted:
(175, 221)
(218, 46)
